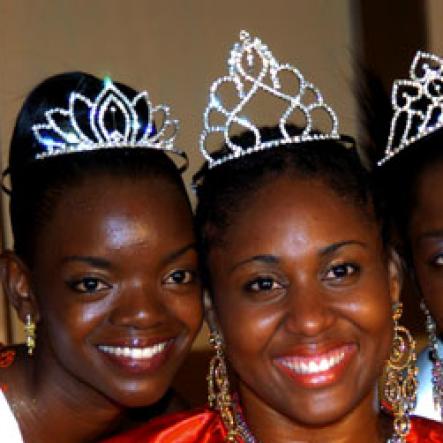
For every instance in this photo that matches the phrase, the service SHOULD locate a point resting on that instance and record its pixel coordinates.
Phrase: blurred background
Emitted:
(175, 50)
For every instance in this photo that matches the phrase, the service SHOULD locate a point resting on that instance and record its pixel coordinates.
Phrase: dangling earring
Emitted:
(400, 386)
(437, 363)
(219, 396)
(30, 334)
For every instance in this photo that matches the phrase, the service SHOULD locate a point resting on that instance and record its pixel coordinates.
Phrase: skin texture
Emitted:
(300, 272)
(115, 267)
(426, 239)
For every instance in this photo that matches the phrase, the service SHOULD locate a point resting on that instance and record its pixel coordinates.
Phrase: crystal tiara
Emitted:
(248, 56)
(114, 121)
(417, 104)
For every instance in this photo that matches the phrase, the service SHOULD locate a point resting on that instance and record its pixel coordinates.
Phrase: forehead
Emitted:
(288, 209)
(109, 213)
(428, 209)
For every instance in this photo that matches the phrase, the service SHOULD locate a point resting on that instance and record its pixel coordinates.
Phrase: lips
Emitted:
(316, 369)
(138, 357)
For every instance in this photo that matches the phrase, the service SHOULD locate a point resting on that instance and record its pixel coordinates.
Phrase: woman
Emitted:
(104, 267)
(411, 175)
(303, 288)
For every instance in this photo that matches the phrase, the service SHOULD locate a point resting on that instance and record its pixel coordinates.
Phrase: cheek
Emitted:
(376, 319)
(188, 310)
(246, 329)
(375, 301)
(68, 320)
(431, 287)
(370, 311)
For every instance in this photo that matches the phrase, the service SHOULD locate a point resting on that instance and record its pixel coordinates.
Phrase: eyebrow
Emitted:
(88, 259)
(179, 252)
(431, 234)
(106, 264)
(272, 259)
(264, 258)
(336, 246)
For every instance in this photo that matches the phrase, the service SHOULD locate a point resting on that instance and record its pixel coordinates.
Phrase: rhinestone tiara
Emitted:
(259, 58)
(417, 104)
(114, 121)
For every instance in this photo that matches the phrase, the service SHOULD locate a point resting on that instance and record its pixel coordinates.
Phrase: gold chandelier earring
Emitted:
(30, 334)
(219, 395)
(400, 377)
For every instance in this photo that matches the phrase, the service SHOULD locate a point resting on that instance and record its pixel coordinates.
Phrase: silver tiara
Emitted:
(114, 121)
(417, 104)
(258, 58)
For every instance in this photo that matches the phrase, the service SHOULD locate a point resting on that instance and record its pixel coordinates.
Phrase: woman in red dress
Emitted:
(303, 287)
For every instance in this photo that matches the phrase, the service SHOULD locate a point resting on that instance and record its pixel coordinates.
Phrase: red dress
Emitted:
(205, 426)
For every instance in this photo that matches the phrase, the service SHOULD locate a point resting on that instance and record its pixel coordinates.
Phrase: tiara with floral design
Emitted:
(114, 121)
(417, 104)
(259, 59)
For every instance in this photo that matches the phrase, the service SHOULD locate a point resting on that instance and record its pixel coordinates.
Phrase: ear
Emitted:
(395, 268)
(16, 279)
(210, 315)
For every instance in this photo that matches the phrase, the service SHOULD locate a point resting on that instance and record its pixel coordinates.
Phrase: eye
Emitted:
(341, 271)
(180, 277)
(263, 284)
(89, 285)
(437, 260)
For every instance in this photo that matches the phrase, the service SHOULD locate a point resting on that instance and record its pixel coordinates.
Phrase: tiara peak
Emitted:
(260, 60)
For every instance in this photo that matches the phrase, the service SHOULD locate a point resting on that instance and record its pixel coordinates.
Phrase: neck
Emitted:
(363, 424)
(52, 405)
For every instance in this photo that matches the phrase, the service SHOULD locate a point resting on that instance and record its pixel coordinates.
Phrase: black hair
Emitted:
(398, 177)
(222, 191)
(37, 185)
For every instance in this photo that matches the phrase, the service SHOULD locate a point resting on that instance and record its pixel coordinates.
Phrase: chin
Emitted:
(138, 399)
(318, 412)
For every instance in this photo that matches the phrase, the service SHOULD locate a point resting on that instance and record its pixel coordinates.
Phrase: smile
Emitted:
(139, 359)
(136, 353)
(306, 365)
(318, 369)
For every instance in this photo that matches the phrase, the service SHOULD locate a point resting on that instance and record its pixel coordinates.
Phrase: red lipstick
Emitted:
(316, 369)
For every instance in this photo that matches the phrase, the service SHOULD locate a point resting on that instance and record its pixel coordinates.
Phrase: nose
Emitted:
(308, 312)
(139, 306)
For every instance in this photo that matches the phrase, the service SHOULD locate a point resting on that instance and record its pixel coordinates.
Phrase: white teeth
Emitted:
(305, 365)
(136, 353)
(324, 366)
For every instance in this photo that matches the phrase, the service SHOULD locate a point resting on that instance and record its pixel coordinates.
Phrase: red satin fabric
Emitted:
(204, 426)
(425, 431)
(197, 426)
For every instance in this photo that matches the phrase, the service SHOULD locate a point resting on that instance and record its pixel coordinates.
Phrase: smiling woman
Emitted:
(104, 266)
(303, 286)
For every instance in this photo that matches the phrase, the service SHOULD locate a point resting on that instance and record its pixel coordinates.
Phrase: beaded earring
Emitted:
(30, 334)
(219, 395)
(400, 384)
(437, 363)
